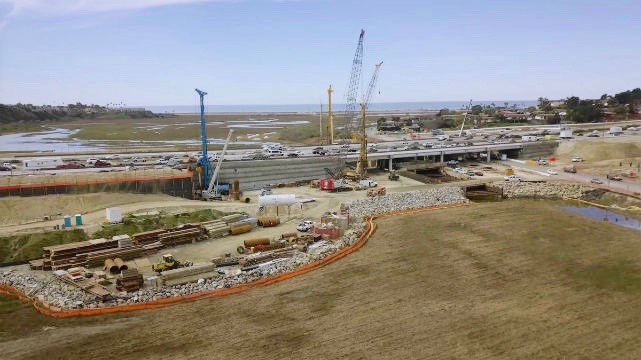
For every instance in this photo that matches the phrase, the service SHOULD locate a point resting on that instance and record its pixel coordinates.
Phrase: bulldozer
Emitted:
(393, 175)
(169, 263)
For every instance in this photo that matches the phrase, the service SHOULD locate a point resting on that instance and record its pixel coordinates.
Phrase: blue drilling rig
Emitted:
(203, 161)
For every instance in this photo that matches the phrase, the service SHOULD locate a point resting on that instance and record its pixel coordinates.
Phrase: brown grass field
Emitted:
(477, 282)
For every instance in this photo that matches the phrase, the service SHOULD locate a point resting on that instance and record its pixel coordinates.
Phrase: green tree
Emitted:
(545, 104)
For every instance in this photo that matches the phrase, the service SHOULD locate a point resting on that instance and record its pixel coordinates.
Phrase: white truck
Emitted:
(42, 163)
(512, 178)
(368, 183)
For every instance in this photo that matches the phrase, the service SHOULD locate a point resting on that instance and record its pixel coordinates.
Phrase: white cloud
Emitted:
(70, 7)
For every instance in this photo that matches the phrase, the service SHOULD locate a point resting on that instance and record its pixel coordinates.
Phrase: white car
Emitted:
(512, 178)
(92, 160)
(9, 165)
(248, 156)
(577, 159)
(552, 172)
(112, 157)
(162, 162)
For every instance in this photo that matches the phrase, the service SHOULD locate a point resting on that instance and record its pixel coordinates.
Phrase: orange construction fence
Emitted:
(57, 312)
(187, 175)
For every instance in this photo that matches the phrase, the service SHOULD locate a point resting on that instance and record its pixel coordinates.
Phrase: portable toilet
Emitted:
(67, 221)
(78, 219)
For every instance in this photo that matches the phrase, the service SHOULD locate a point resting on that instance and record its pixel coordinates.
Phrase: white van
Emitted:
(274, 153)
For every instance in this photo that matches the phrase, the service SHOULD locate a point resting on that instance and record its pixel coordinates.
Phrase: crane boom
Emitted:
(352, 89)
(469, 107)
(214, 178)
(361, 164)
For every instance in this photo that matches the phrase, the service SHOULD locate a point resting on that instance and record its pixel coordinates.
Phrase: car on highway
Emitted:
(101, 164)
(248, 156)
(512, 178)
(319, 150)
(138, 159)
(112, 157)
(552, 172)
(162, 162)
(614, 177)
(305, 226)
(596, 181)
(4, 168)
(293, 154)
(71, 166)
(92, 160)
(542, 162)
(9, 165)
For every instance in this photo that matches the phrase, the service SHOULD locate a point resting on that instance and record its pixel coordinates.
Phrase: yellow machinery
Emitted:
(169, 263)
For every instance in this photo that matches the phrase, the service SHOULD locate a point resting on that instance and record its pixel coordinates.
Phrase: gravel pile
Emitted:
(54, 292)
(406, 201)
(545, 190)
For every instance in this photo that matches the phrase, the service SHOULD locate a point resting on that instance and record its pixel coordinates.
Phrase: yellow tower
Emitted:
(330, 117)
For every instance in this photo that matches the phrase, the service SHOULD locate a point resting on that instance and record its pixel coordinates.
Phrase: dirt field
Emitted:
(475, 282)
(603, 155)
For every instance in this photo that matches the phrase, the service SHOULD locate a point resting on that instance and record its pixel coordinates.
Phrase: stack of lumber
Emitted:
(232, 218)
(262, 257)
(215, 228)
(188, 274)
(181, 236)
(88, 285)
(148, 237)
(123, 241)
(130, 280)
(97, 258)
(60, 257)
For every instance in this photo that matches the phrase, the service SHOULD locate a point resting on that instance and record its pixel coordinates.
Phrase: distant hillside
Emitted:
(26, 113)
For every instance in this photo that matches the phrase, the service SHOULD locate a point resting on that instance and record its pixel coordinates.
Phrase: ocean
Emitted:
(307, 108)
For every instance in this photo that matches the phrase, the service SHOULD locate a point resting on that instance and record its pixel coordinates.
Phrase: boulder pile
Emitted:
(546, 190)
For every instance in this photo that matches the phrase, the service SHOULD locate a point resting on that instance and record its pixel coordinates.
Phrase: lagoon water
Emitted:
(606, 215)
(56, 140)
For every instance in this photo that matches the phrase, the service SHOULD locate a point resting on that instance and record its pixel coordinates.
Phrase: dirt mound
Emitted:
(600, 150)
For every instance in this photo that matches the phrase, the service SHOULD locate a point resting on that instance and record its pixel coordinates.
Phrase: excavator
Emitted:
(169, 263)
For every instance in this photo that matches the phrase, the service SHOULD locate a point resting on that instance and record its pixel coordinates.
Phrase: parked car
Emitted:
(101, 164)
(596, 181)
(71, 166)
(577, 159)
(552, 172)
(305, 226)
(542, 162)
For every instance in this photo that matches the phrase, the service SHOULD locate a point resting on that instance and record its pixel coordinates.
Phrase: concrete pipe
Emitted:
(240, 249)
(241, 229)
(247, 200)
(111, 266)
(257, 241)
(120, 264)
(288, 235)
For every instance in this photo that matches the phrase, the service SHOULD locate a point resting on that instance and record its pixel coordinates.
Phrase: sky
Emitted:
(155, 52)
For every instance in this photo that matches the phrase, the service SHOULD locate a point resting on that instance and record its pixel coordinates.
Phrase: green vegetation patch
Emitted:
(29, 246)
(618, 275)
(135, 224)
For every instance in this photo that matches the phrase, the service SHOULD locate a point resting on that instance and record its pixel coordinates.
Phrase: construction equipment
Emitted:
(393, 175)
(352, 89)
(469, 108)
(361, 164)
(212, 192)
(169, 263)
(203, 162)
(376, 192)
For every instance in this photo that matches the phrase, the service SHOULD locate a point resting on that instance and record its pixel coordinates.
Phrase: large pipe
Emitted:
(120, 264)
(241, 229)
(257, 241)
(111, 266)
(268, 221)
(281, 199)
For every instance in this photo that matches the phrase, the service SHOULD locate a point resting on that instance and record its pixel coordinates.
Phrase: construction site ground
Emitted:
(519, 279)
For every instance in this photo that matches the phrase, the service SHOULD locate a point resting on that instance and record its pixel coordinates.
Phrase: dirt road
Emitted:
(475, 282)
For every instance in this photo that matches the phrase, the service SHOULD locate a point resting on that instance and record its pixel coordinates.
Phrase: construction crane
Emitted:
(352, 89)
(469, 107)
(361, 164)
(203, 162)
(212, 190)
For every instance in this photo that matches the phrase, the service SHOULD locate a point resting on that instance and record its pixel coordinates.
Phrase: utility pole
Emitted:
(330, 116)
(320, 124)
